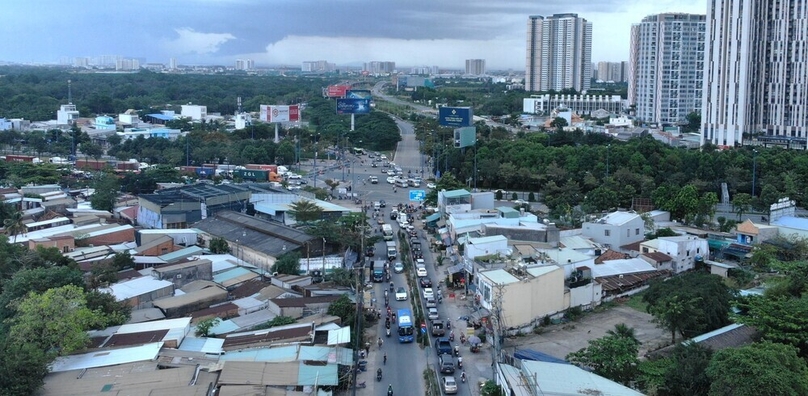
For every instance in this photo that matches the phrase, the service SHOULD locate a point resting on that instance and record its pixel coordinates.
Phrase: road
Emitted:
(406, 362)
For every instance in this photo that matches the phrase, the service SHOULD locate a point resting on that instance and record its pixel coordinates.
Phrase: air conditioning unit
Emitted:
(179, 276)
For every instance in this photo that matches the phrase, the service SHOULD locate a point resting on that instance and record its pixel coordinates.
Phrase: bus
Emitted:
(406, 331)
(358, 151)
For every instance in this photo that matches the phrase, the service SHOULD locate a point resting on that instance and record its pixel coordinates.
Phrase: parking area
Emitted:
(562, 339)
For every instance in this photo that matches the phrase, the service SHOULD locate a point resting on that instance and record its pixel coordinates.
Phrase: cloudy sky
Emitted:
(287, 32)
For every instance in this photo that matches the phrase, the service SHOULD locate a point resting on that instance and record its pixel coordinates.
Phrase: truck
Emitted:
(442, 345)
(378, 271)
(392, 252)
(438, 328)
(416, 248)
(387, 232)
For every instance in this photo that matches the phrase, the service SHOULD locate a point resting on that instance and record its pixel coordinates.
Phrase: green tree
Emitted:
(204, 326)
(276, 321)
(623, 330)
(763, 368)
(490, 388)
(24, 367)
(687, 375)
(36, 280)
(612, 356)
(14, 225)
(106, 192)
(779, 319)
(288, 263)
(690, 304)
(219, 245)
(741, 203)
(559, 123)
(305, 211)
(55, 321)
(92, 150)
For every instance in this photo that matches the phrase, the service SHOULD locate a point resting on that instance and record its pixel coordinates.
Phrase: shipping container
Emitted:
(251, 175)
(93, 164)
(127, 166)
(271, 168)
(19, 158)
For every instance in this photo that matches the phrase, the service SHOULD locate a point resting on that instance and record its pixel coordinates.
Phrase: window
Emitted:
(628, 233)
(607, 232)
(698, 250)
(688, 253)
(645, 249)
(636, 231)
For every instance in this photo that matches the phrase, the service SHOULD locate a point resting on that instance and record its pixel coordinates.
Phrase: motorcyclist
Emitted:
(379, 374)
(385, 358)
(462, 376)
(390, 390)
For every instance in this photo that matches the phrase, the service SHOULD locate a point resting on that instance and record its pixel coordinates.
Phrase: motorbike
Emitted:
(379, 375)
(390, 390)
(457, 350)
(451, 336)
(388, 332)
(459, 362)
(463, 377)
(392, 287)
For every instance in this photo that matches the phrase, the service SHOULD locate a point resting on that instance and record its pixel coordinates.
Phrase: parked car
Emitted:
(429, 293)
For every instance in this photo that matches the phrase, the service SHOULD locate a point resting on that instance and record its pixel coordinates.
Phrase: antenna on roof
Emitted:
(69, 94)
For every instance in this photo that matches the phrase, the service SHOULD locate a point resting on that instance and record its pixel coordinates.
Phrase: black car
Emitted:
(370, 252)
(382, 203)
(426, 282)
(447, 365)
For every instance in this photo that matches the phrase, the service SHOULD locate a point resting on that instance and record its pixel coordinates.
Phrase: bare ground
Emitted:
(562, 339)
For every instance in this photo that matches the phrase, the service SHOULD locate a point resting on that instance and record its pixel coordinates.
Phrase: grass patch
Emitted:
(636, 302)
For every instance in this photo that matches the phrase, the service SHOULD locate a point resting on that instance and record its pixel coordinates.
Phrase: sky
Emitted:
(287, 32)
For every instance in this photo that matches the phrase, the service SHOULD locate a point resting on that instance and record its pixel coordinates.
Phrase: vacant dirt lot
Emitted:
(559, 340)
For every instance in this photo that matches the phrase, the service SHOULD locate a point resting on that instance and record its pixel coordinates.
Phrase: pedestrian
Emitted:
(367, 349)
(385, 358)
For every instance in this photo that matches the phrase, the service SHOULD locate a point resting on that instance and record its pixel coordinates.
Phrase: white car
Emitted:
(420, 271)
(401, 294)
(431, 185)
(391, 180)
(420, 263)
(293, 176)
(391, 173)
(428, 293)
(449, 385)
(433, 314)
(398, 267)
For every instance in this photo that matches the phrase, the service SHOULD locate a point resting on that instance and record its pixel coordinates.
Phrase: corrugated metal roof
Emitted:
(456, 194)
(204, 344)
(566, 379)
(181, 254)
(499, 277)
(619, 267)
(225, 276)
(136, 287)
(107, 357)
(576, 242)
(792, 222)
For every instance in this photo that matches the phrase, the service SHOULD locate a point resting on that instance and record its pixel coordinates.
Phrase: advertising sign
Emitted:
(337, 91)
(455, 116)
(358, 94)
(417, 195)
(280, 113)
(353, 106)
(465, 137)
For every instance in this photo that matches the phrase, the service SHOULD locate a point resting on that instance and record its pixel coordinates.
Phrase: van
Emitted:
(402, 219)
(402, 183)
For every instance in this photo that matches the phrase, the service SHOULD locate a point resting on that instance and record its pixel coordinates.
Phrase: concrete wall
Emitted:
(615, 235)
(183, 274)
(682, 251)
(526, 301)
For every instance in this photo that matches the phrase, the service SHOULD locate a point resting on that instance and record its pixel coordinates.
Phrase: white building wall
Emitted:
(194, 112)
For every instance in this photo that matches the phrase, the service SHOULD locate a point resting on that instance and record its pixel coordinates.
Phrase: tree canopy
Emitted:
(613, 356)
(762, 368)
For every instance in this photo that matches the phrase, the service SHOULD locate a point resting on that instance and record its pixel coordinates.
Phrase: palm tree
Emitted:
(305, 211)
(622, 330)
(14, 225)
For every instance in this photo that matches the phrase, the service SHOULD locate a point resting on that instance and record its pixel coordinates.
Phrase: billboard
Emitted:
(455, 116)
(337, 91)
(465, 137)
(358, 94)
(280, 113)
(353, 106)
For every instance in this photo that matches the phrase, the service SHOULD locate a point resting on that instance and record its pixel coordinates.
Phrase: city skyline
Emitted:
(276, 32)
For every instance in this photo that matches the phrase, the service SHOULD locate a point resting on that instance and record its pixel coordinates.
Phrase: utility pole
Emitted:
(497, 325)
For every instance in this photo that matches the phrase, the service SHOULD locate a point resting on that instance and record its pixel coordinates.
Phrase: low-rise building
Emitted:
(141, 292)
(525, 294)
(750, 233)
(184, 304)
(615, 229)
(175, 208)
(299, 307)
(683, 250)
(181, 274)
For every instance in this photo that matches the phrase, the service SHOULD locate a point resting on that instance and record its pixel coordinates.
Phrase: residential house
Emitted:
(683, 250)
(749, 233)
(615, 229)
(526, 293)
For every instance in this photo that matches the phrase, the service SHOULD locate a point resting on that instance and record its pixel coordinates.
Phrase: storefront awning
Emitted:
(433, 217)
(455, 269)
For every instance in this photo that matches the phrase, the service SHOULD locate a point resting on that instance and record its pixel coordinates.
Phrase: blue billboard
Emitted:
(358, 94)
(455, 116)
(353, 106)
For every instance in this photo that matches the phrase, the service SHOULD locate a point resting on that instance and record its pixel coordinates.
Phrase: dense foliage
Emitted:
(613, 356)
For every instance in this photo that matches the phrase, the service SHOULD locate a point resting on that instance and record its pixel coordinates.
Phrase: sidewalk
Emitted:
(476, 365)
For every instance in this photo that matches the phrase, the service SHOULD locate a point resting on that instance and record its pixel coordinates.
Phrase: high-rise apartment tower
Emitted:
(559, 53)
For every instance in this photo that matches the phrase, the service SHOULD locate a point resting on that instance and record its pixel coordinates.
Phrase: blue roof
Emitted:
(793, 222)
(530, 354)
(161, 117)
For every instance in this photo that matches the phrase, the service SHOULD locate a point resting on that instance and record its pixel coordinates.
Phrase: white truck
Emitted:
(387, 232)
(392, 252)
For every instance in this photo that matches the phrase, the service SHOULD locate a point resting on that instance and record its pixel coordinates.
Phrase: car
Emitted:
(383, 203)
(449, 385)
(370, 252)
(293, 176)
(391, 180)
(431, 185)
(447, 365)
(420, 271)
(374, 164)
(420, 262)
(429, 293)
(393, 214)
(382, 156)
(425, 282)
(443, 346)
(384, 171)
(374, 180)
(433, 314)
(401, 294)
(304, 181)
(391, 173)
(398, 267)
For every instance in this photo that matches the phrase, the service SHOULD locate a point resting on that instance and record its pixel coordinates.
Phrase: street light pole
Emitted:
(754, 170)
